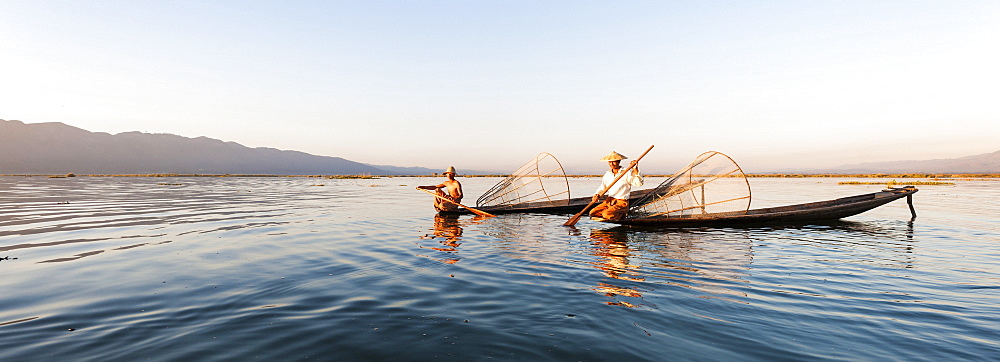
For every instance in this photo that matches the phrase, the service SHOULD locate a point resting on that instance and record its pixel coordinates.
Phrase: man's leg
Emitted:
(441, 205)
(616, 209)
(598, 210)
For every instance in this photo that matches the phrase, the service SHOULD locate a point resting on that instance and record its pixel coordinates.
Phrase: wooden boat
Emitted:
(711, 190)
(809, 212)
(564, 206)
(539, 186)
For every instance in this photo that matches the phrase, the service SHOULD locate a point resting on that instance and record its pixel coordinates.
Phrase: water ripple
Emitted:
(282, 269)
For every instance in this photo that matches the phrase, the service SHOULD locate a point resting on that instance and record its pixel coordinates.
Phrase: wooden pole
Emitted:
(572, 221)
(477, 212)
(909, 201)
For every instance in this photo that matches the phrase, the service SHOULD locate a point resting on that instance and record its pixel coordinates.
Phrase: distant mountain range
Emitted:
(984, 163)
(57, 148)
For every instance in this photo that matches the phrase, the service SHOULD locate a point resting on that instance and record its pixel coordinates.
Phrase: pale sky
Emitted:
(489, 84)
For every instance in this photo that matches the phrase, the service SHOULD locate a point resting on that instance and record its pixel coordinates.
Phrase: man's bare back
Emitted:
(454, 189)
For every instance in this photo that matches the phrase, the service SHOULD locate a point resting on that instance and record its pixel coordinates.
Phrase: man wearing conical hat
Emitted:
(450, 189)
(615, 204)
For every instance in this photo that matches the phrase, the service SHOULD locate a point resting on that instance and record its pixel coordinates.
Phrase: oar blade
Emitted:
(572, 221)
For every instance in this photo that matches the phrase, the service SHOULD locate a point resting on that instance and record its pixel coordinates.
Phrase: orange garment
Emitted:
(610, 209)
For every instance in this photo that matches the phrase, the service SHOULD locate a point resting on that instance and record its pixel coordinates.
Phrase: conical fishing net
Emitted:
(540, 181)
(712, 185)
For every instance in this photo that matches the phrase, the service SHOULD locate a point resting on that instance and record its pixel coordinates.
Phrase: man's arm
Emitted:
(635, 179)
(604, 184)
(432, 187)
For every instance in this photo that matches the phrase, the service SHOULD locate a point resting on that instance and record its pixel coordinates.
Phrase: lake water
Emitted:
(310, 268)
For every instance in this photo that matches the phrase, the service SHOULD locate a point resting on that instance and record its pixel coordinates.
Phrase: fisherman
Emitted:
(450, 189)
(615, 205)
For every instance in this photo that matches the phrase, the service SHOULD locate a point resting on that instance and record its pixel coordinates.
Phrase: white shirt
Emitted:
(623, 187)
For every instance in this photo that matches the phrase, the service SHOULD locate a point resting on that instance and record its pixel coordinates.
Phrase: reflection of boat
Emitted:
(635, 262)
(813, 211)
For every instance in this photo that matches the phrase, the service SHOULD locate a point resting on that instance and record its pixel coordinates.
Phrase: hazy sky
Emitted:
(488, 84)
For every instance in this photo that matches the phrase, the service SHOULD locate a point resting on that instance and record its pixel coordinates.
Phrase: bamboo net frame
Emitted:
(711, 184)
(541, 180)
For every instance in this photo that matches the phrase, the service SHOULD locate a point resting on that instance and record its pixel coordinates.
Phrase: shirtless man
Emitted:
(450, 189)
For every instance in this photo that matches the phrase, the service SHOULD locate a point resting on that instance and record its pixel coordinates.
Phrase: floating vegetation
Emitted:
(319, 185)
(883, 175)
(965, 179)
(896, 183)
(363, 177)
(951, 177)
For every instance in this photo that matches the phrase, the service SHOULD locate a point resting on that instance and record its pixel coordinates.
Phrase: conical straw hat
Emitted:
(451, 170)
(614, 156)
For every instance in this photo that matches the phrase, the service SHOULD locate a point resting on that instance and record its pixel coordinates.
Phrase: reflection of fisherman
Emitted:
(450, 189)
(615, 206)
(614, 262)
(449, 230)
(447, 227)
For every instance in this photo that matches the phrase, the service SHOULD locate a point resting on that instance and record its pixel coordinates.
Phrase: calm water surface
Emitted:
(308, 268)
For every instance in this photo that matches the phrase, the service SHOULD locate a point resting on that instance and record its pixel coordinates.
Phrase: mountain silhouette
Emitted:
(57, 148)
(983, 163)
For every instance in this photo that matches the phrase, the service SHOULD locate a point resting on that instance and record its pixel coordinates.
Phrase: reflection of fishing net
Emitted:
(541, 180)
(712, 184)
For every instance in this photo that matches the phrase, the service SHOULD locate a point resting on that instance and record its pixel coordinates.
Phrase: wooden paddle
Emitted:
(477, 212)
(572, 221)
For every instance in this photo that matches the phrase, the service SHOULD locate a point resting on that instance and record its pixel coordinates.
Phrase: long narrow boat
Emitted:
(809, 212)
(711, 190)
(563, 206)
(538, 186)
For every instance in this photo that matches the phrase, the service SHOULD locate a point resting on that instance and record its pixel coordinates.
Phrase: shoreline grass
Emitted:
(897, 183)
(947, 177)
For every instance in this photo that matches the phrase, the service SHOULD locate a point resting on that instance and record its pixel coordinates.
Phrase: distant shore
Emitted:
(968, 176)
